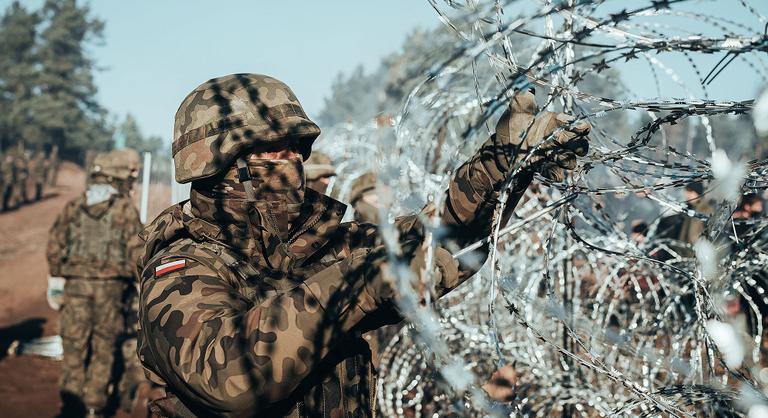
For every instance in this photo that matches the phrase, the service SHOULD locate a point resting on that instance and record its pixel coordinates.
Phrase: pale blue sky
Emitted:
(156, 51)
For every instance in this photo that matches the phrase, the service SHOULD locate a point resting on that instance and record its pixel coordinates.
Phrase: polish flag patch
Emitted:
(169, 267)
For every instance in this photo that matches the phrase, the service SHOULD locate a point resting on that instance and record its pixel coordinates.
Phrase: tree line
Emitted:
(47, 91)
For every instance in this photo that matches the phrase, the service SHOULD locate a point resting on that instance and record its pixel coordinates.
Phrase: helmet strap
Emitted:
(244, 177)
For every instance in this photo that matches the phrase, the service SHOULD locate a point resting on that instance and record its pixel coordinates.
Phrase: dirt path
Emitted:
(28, 385)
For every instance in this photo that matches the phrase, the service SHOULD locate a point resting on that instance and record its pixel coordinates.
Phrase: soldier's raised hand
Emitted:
(522, 128)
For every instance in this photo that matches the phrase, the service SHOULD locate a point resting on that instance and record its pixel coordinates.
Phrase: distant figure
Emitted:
(21, 163)
(319, 171)
(90, 245)
(7, 181)
(38, 169)
(681, 226)
(364, 200)
(53, 165)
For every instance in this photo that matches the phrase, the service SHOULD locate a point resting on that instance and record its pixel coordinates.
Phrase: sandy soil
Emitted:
(28, 387)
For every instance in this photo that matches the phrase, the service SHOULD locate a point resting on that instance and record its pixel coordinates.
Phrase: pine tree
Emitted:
(135, 139)
(18, 73)
(66, 110)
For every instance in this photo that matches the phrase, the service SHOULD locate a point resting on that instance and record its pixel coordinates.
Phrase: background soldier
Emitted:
(319, 171)
(89, 245)
(8, 174)
(364, 200)
(38, 170)
(21, 163)
(254, 294)
(53, 165)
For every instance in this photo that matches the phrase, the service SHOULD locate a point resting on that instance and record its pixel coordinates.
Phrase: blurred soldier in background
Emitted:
(319, 171)
(364, 200)
(21, 163)
(53, 165)
(38, 170)
(8, 174)
(681, 226)
(90, 245)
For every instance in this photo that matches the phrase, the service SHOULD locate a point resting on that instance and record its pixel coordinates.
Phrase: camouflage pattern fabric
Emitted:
(8, 174)
(133, 373)
(53, 165)
(94, 241)
(260, 327)
(38, 171)
(224, 117)
(319, 171)
(21, 163)
(91, 320)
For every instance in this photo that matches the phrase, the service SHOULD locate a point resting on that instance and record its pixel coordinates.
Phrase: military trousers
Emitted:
(91, 321)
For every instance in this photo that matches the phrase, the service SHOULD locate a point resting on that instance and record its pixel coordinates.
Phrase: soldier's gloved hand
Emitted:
(553, 157)
(55, 292)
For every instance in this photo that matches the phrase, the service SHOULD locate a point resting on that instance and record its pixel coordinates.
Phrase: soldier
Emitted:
(319, 171)
(254, 294)
(21, 162)
(89, 245)
(364, 200)
(38, 168)
(7, 172)
(53, 165)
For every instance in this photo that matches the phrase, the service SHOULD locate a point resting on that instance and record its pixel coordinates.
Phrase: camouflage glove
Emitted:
(552, 158)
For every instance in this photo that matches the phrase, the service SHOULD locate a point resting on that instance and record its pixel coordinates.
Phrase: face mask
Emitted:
(98, 193)
(276, 189)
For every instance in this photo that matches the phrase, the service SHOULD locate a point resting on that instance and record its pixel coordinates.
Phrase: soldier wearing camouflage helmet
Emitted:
(363, 198)
(254, 294)
(90, 245)
(319, 171)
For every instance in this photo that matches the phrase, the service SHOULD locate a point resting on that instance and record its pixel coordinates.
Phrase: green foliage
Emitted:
(360, 97)
(135, 139)
(47, 93)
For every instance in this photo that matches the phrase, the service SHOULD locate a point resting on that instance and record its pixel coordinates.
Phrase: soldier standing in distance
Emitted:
(89, 245)
(21, 161)
(38, 170)
(254, 295)
(53, 165)
(7, 173)
(319, 171)
(364, 199)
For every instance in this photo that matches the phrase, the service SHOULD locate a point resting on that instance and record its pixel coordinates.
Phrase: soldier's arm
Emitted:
(134, 244)
(472, 198)
(58, 237)
(226, 355)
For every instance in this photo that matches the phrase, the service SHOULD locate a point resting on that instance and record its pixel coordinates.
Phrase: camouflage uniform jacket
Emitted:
(277, 332)
(95, 241)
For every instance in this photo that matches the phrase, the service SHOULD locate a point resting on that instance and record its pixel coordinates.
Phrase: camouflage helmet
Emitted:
(119, 164)
(318, 165)
(226, 116)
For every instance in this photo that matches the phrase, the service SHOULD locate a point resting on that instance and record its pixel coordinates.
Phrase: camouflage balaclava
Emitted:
(257, 202)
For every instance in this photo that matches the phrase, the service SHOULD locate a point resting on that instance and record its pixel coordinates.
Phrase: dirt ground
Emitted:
(28, 385)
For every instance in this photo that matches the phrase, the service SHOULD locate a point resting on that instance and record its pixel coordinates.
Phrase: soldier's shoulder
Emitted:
(75, 203)
(187, 258)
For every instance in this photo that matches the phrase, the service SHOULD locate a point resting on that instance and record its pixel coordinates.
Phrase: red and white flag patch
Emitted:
(169, 267)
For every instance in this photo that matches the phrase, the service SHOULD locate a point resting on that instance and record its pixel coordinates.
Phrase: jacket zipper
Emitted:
(307, 227)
